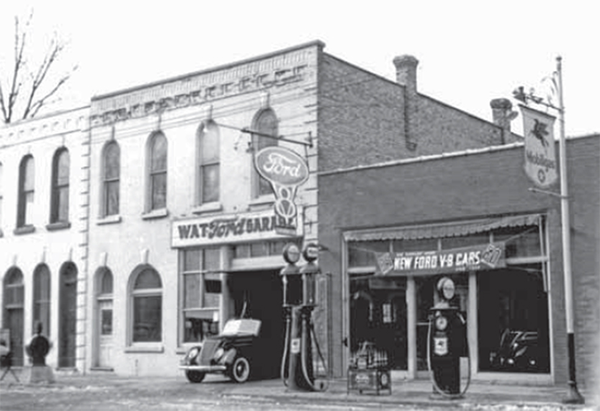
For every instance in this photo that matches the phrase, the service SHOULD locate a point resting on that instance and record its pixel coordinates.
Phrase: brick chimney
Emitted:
(406, 75)
(502, 115)
(406, 71)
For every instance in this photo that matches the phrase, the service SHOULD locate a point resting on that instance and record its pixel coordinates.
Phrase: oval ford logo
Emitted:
(281, 166)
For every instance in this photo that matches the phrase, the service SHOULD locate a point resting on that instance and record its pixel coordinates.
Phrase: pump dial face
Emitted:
(441, 323)
(448, 289)
(291, 253)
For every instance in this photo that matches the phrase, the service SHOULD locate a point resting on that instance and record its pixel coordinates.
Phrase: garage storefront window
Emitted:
(510, 305)
(201, 293)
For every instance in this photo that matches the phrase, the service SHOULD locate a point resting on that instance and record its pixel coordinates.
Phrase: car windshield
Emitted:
(241, 326)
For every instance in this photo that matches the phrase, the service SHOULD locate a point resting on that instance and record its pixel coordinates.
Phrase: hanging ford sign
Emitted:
(281, 166)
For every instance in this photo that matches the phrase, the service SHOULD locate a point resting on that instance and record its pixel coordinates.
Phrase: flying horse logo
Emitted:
(540, 131)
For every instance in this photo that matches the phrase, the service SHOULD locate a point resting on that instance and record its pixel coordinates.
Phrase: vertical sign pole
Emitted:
(574, 396)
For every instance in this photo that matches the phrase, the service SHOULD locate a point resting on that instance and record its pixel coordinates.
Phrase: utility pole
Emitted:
(574, 397)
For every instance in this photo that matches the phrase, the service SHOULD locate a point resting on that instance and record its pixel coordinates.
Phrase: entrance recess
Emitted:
(67, 316)
(13, 313)
(104, 319)
(259, 293)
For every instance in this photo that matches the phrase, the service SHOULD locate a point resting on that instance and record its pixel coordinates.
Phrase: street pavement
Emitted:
(107, 391)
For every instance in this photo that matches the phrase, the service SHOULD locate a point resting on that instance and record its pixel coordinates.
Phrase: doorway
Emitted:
(258, 295)
(13, 313)
(104, 319)
(67, 316)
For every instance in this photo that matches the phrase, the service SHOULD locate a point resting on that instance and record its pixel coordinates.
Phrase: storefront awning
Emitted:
(440, 230)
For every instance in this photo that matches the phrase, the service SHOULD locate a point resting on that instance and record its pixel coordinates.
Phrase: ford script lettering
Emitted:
(281, 166)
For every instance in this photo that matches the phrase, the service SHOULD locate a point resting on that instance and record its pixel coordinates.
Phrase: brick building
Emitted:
(450, 204)
(170, 169)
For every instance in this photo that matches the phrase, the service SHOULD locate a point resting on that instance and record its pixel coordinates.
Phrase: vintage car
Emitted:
(519, 351)
(240, 352)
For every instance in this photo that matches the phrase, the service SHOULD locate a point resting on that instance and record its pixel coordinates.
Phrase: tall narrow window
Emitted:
(59, 207)
(41, 298)
(112, 174)
(158, 171)
(146, 303)
(13, 301)
(26, 192)
(208, 141)
(266, 124)
(201, 288)
(104, 297)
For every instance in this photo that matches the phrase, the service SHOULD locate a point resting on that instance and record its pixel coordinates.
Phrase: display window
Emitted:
(501, 286)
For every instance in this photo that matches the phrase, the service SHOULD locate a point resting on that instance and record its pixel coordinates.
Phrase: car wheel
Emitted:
(195, 376)
(240, 370)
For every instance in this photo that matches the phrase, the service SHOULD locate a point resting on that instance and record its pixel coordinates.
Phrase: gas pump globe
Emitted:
(290, 276)
(309, 273)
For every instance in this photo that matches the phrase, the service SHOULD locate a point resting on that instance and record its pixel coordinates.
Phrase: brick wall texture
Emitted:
(362, 120)
(488, 183)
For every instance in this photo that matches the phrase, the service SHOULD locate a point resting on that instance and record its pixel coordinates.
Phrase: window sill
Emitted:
(208, 207)
(60, 225)
(262, 200)
(163, 212)
(145, 348)
(26, 229)
(111, 219)
(105, 369)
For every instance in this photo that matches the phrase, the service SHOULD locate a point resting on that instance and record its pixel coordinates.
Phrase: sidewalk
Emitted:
(480, 395)
(420, 392)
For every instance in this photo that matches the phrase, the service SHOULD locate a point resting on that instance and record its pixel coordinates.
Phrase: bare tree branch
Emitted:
(30, 89)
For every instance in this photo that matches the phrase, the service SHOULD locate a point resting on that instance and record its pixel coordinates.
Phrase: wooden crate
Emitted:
(369, 381)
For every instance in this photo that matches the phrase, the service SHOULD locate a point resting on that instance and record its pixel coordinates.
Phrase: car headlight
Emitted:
(193, 353)
(219, 353)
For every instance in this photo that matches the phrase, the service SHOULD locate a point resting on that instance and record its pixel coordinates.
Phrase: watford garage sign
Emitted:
(234, 228)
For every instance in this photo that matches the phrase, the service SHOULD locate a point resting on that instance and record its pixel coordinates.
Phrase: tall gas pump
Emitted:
(445, 343)
(299, 294)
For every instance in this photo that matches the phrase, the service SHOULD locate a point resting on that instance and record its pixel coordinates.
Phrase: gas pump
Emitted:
(299, 293)
(444, 343)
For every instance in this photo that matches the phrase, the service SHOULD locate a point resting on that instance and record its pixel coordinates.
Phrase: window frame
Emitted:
(59, 204)
(132, 295)
(261, 188)
(108, 181)
(207, 129)
(26, 190)
(155, 174)
(202, 271)
(42, 297)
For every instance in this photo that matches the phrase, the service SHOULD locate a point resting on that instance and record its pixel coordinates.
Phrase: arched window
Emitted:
(209, 170)
(26, 192)
(158, 171)
(146, 306)
(13, 301)
(264, 123)
(59, 205)
(41, 298)
(111, 161)
(104, 297)
(106, 283)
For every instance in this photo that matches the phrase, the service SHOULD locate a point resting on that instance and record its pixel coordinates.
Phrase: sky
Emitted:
(469, 52)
